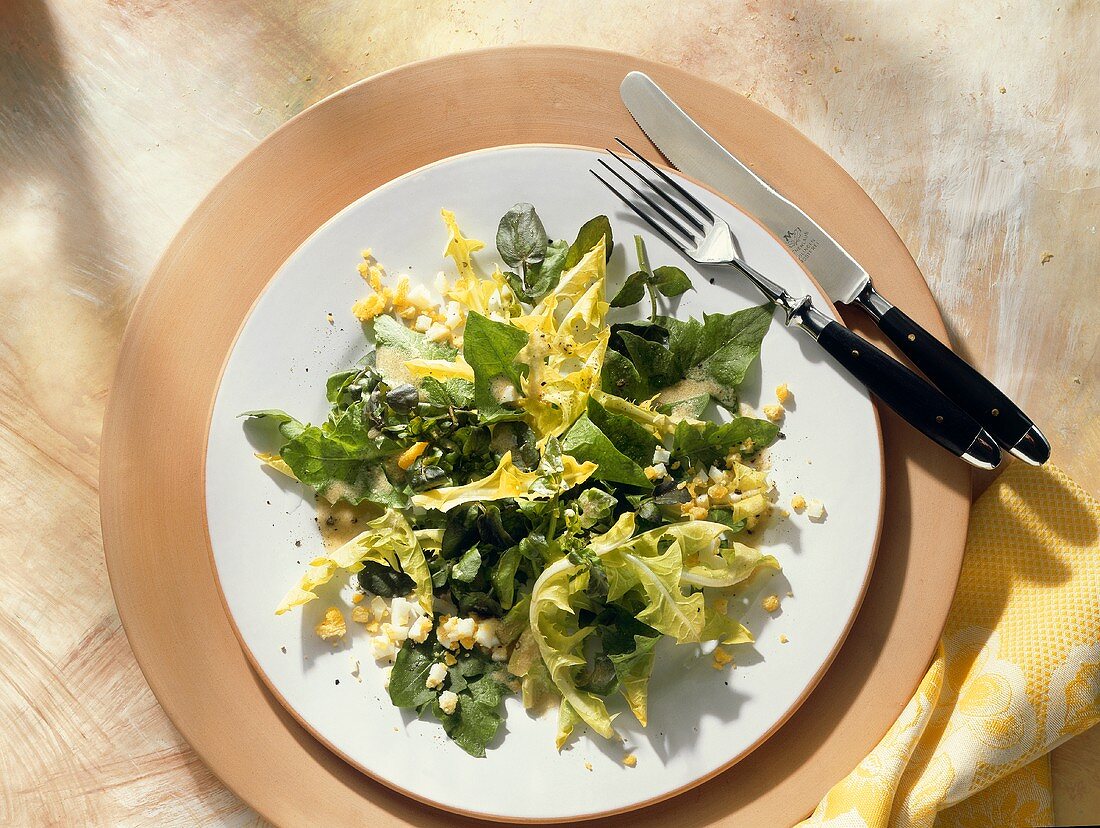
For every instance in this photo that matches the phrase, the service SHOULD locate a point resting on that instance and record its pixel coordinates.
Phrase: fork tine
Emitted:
(679, 245)
(653, 205)
(655, 187)
(669, 180)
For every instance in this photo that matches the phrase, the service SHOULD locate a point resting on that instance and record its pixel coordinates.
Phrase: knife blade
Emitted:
(692, 150)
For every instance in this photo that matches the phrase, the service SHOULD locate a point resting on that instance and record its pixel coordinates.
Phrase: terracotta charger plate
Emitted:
(185, 323)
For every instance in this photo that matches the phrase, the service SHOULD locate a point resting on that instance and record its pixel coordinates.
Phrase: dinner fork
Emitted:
(690, 226)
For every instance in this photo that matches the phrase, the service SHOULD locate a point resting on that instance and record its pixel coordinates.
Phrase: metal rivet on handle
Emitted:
(995, 412)
(912, 337)
(855, 353)
(939, 419)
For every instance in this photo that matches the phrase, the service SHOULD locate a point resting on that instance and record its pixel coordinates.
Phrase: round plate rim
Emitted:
(590, 815)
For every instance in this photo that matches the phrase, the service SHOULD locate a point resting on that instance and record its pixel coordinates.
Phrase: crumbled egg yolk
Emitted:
(332, 627)
(773, 412)
(721, 606)
(771, 603)
(357, 598)
(782, 393)
(798, 503)
(361, 615)
(783, 639)
(630, 760)
(720, 658)
(410, 455)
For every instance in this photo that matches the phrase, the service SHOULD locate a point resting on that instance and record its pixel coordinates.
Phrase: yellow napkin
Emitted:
(1017, 672)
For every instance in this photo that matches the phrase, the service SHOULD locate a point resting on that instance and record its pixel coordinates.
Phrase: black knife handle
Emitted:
(920, 404)
(960, 381)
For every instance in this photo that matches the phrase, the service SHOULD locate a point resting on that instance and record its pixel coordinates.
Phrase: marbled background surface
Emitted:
(974, 125)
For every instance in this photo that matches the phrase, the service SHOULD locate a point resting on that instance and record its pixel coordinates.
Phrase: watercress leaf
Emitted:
(504, 576)
(587, 238)
(491, 349)
(726, 518)
(709, 443)
(585, 442)
(336, 384)
(599, 676)
(468, 565)
(410, 672)
(476, 720)
(631, 438)
(452, 393)
(594, 505)
(631, 292)
(621, 378)
(344, 465)
(380, 579)
(671, 281)
(544, 276)
(521, 238)
(287, 425)
(389, 333)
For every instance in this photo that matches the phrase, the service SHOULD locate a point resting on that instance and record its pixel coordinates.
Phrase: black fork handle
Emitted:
(1002, 418)
(913, 398)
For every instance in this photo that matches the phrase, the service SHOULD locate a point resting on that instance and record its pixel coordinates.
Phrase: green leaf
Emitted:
(521, 238)
(560, 642)
(584, 441)
(380, 579)
(708, 444)
(691, 407)
(632, 291)
(410, 672)
(389, 333)
(288, 426)
(594, 506)
(491, 349)
(621, 378)
(468, 565)
(504, 576)
(599, 676)
(671, 281)
(718, 351)
(633, 669)
(453, 393)
(631, 438)
(587, 238)
(640, 563)
(656, 365)
(344, 464)
(477, 719)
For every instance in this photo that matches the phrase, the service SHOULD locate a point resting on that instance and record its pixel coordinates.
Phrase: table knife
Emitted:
(689, 148)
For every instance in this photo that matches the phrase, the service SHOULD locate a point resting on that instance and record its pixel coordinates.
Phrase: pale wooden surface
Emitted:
(115, 119)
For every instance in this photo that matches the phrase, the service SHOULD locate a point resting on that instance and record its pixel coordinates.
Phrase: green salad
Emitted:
(541, 498)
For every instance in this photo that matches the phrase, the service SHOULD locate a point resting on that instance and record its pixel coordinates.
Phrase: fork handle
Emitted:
(918, 402)
(984, 401)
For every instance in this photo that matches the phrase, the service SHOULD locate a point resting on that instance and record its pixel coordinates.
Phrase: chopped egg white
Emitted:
(661, 455)
(420, 628)
(381, 647)
(448, 701)
(436, 674)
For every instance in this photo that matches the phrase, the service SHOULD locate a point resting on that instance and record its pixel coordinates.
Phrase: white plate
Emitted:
(700, 720)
